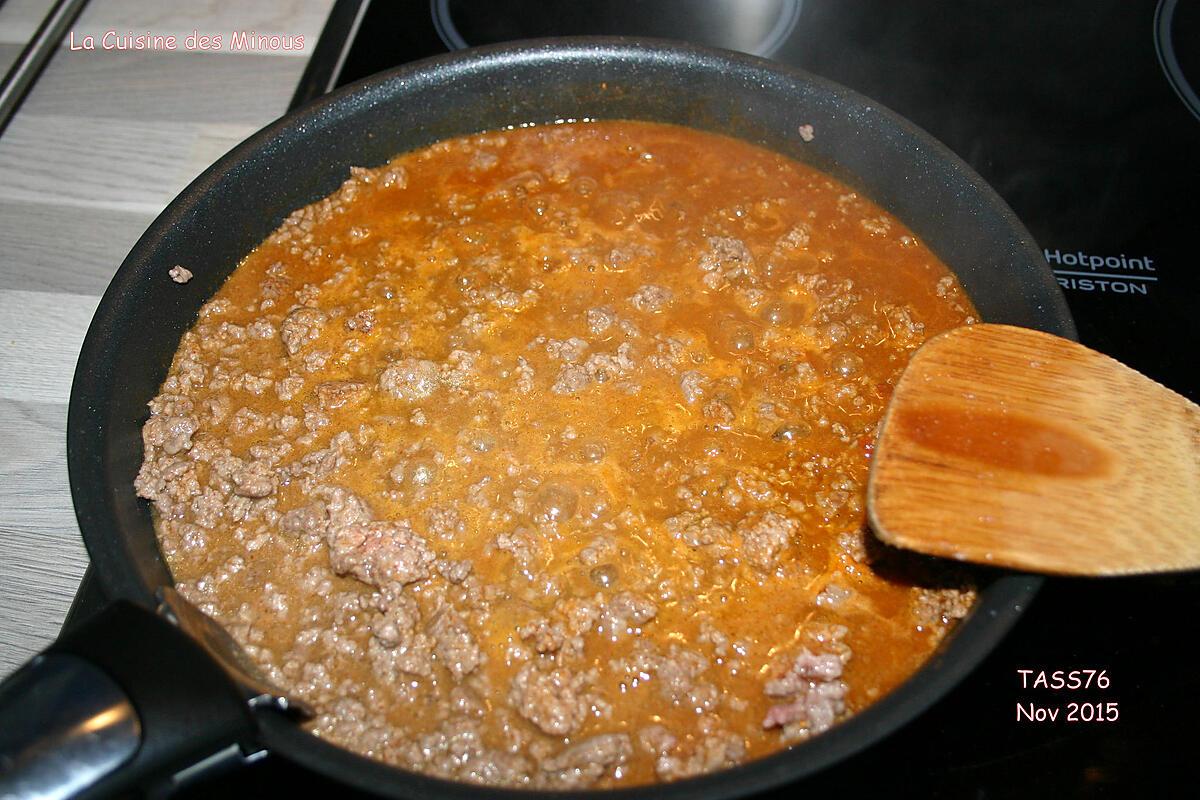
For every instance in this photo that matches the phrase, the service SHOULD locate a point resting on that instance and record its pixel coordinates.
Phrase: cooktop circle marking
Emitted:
(1164, 18)
(787, 16)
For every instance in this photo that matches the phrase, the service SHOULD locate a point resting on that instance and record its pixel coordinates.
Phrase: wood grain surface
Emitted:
(103, 142)
(1020, 449)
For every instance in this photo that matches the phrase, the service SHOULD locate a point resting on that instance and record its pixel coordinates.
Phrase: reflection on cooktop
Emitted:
(758, 27)
(1177, 42)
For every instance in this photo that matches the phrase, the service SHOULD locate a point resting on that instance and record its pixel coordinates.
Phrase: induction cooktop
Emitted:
(1084, 116)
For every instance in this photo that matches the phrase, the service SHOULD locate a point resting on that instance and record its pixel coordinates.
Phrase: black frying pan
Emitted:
(164, 688)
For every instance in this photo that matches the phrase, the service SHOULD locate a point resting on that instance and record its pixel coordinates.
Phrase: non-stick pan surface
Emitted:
(234, 205)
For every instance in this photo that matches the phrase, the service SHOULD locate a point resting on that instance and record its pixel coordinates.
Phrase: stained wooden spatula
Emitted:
(1012, 447)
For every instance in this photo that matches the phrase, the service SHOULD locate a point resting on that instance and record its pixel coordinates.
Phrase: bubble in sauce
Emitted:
(792, 432)
(604, 575)
(555, 501)
(741, 340)
(847, 364)
(481, 441)
(423, 473)
(595, 505)
(592, 452)
(836, 333)
(779, 314)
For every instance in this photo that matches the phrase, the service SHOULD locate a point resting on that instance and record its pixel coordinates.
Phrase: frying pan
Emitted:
(152, 692)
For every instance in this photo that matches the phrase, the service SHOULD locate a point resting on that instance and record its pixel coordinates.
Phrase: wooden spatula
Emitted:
(1012, 447)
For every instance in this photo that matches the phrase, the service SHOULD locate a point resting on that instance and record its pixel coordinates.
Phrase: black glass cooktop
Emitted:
(1084, 116)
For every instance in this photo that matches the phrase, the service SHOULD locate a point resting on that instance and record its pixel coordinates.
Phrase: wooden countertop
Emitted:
(103, 142)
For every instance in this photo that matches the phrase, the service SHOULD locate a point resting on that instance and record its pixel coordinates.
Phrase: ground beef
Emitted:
(363, 321)
(600, 319)
(169, 482)
(346, 719)
(697, 530)
(444, 522)
(289, 387)
(795, 239)
(941, 606)
(344, 508)
(693, 385)
(453, 571)
(764, 538)
(171, 433)
(571, 378)
(651, 298)
(458, 373)
(833, 595)
(725, 260)
(545, 636)
(246, 421)
(603, 367)
(714, 751)
(524, 373)
(657, 739)
(628, 610)
(379, 553)
(455, 645)
(397, 624)
(569, 350)
(675, 671)
(399, 644)
(579, 614)
(301, 327)
(456, 748)
(410, 379)
(719, 411)
(261, 328)
(335, 394)
(555, 700)
(582, 763)
(310, 519)
(817, 695)
(255, 480)
(521, 544)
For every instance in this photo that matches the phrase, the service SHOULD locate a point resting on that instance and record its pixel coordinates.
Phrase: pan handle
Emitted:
(125, 702)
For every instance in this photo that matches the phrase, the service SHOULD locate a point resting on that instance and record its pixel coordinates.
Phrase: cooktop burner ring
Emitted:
(786, 16)
(1164, 46)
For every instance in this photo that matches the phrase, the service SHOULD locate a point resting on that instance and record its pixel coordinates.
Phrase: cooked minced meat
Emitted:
(536, 458)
